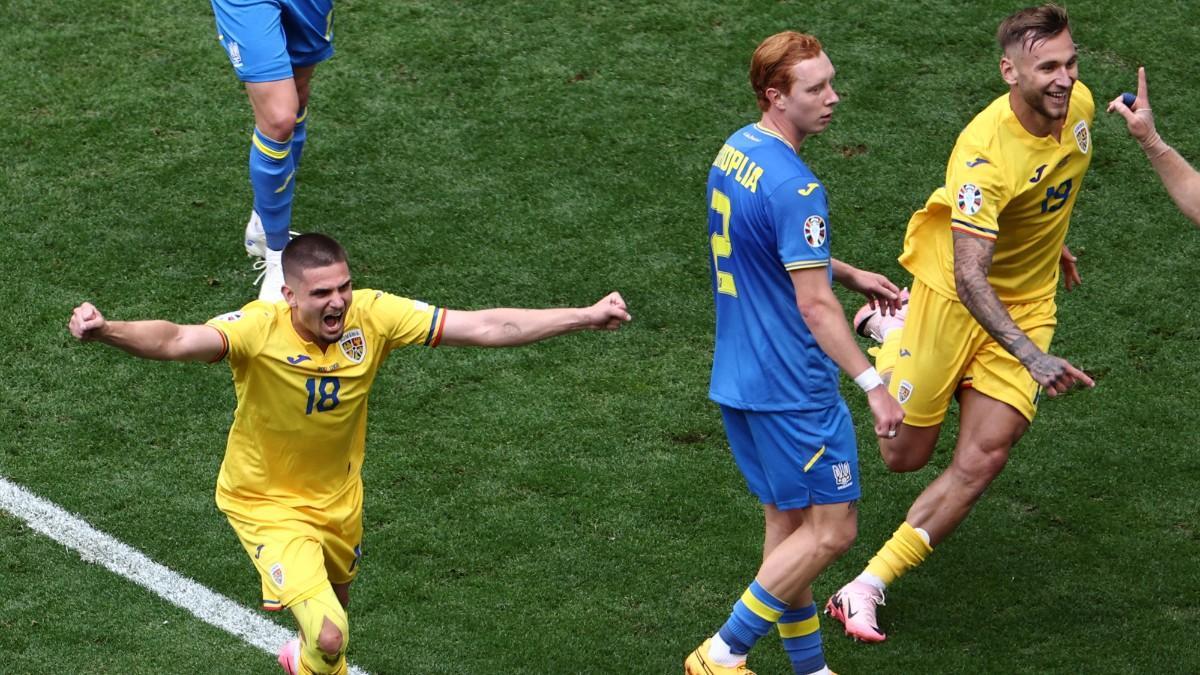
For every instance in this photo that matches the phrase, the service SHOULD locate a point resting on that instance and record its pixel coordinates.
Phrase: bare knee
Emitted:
(834, 543)
(277, 123)
(976, 467)
(330, 640)
(901, 457)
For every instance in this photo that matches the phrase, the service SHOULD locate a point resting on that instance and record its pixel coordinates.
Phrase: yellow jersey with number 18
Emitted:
(1004, 184)
(300, 426)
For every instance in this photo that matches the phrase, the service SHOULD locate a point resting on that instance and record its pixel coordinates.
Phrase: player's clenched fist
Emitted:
(86, 321)
(609, 313)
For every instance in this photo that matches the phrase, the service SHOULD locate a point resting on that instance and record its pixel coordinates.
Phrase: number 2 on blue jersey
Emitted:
(722, 247)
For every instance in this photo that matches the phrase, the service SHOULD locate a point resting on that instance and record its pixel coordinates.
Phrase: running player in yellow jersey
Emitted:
(290, 483)
(985, 254)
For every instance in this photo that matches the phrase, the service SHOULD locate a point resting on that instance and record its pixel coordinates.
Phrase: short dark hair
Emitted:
(310, 250)
(1032, 26)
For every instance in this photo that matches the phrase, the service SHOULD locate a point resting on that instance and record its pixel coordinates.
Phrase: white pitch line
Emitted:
(97, 547)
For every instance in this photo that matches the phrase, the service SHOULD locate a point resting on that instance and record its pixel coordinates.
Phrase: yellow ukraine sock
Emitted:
(904, 551)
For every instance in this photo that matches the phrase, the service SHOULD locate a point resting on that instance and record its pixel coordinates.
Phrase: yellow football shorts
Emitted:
(296, 552)
(943, 348)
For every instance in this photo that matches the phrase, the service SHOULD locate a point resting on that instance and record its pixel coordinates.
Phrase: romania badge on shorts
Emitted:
(904, 391)
(277, 574)
(1082, 138)
(814, 231)
(353, 345)
(970, 199)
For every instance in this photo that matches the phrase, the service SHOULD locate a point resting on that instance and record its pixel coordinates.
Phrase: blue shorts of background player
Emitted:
(265, 40)
(796, 459)
(274, 47)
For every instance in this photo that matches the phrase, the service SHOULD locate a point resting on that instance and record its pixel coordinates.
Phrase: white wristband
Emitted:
(868, 379)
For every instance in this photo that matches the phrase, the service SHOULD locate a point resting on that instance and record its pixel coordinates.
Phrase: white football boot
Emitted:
(256, 236)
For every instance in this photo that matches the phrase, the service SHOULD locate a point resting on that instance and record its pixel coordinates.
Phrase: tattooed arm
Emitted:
(972, 262)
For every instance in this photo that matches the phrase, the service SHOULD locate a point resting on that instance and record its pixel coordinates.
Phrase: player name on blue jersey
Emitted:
(730, 159)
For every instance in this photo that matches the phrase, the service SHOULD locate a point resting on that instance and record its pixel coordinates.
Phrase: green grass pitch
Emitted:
(569, 507)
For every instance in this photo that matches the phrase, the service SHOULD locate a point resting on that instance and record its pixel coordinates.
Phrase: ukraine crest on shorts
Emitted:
(1082, 138)
(353, 345)
(842, 476)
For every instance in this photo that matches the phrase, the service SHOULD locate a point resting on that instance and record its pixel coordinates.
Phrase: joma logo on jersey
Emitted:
(353, 345)
(842, 476)
(298, 359)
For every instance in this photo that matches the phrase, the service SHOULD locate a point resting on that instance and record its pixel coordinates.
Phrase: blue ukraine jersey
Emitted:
(768, 215)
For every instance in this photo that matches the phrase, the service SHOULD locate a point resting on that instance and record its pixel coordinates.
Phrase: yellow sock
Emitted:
(904, 551)
(889, 352)
(311, 615)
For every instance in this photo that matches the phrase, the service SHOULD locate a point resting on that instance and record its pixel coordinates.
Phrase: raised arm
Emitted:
(1178, 176)
(972, 262)
(158, 340)
(507, 327)
(823, 314)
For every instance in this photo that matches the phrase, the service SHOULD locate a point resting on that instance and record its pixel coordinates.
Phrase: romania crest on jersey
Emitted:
(353, 345)
(1082, 138)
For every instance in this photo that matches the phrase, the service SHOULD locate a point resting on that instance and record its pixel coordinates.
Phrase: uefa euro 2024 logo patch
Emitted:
(1082, 138)
(814, 231)
(353, 345)
(970, 199)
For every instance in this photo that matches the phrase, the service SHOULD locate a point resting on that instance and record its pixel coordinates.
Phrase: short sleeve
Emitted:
(978, 192)
(799, 211)
(245, 330)
(403, 321)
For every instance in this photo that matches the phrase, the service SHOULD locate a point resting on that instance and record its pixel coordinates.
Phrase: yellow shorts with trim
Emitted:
(296, 553)
(943, 348)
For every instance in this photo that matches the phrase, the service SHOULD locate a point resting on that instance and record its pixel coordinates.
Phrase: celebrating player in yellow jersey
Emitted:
(291, 482)
(985, 255)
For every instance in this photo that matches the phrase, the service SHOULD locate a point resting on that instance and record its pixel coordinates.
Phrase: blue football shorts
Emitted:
(266, 39)
(795, 459)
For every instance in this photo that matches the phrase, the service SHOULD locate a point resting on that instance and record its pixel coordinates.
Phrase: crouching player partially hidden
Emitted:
(291, 482)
